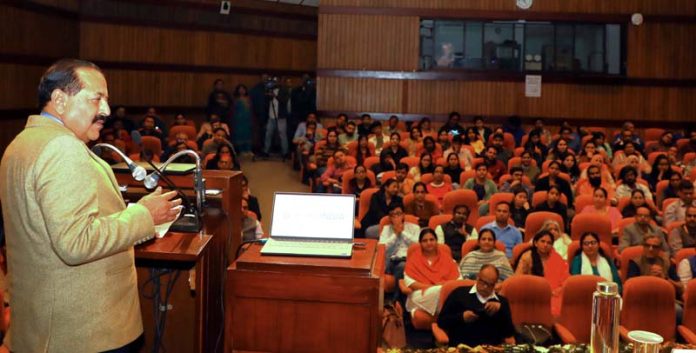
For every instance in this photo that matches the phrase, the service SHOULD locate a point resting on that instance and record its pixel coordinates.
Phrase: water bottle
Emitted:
(606, 307)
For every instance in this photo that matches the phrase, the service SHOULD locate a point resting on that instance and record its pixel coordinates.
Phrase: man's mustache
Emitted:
(99, 118)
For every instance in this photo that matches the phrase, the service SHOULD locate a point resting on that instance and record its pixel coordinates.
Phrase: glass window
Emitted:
(519, 46)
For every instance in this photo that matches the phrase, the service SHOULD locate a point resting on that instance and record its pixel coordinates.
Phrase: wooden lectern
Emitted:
(195, 265)
(305, 304)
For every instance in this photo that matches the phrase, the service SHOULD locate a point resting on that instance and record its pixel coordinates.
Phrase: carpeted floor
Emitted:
(268, 176)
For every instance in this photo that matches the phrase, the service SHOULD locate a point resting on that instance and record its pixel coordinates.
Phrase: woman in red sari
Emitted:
(427, 269)
(542, 260)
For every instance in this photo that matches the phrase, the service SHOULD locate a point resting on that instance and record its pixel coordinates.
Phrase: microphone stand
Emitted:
(137, 171)
(190, 221)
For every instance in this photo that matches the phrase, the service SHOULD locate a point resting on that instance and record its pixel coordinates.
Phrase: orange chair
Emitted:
(349, 175)
(152, 144)
(688, 326)
(683, 254)
(582, 200)
(652, 133)
(623, 223)
(573, 325)
(506, 177)
(439, 219)
(428, 177)
(574, 246)
(189, 130)
(626, 256)
(530, 300)
(466, 175)
(536, 219)
(369, 162)
(653, 155)
(648, 304)
(517, 252)
(411, 161)
(498, 198)
(447, 288)
(516, 161)
(688, 158)
(410, 198)
(471, 244)
(389, 174)
(586, 222)
(459, 197)
(364, 204)
(540, 197)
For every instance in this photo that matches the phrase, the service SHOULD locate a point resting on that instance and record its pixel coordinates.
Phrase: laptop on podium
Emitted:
(311, 225)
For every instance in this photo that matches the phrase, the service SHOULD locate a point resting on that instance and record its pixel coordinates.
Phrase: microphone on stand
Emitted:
(139, 173)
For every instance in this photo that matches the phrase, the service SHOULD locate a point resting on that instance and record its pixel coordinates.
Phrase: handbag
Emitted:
(393, 331)
(533, 334)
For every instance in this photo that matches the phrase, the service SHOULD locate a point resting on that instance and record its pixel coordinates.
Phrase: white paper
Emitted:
(532, 86)
(162, 229)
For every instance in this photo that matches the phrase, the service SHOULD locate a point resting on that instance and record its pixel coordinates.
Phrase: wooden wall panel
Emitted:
(507, 98)
(18, 85)
(70, 5)
(656, 7)
(340, 94)
(662, 50)
(109, 42)
(368, 42)
(26, 32)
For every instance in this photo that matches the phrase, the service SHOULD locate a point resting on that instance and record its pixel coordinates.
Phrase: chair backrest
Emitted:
(514, 161)
(458, 197)
(410, 198)
(574, 246)
(626, 256)
(540, 197)
(688, 157)
(653, 155)
(466, 175)
(582, 200)
(536, 219)
(439, 219)
(576, 305)
(369, 162)
(530, 299)
(483, 220)
(449, 286)
(498, 198)
(689, 319)
(471, 244)
(190, 131)
(517, 251)
(506, 177)
(683, 254)
(152, 144)
(652, 133)
(411, 161)
(349, 175)
(648, 304)
(595, 222)
(428, 177)
(364, 204)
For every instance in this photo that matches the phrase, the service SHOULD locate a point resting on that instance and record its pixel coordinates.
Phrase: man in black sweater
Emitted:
(476, 315)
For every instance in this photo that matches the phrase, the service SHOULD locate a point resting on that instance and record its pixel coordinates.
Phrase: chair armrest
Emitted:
(405, 290)
(687, 334)
(564, 334)
(440, 335)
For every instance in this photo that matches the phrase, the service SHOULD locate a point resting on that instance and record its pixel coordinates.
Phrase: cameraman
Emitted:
(277, 98)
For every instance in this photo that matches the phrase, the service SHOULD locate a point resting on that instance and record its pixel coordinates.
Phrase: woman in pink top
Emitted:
(439, 187)
(600, 205)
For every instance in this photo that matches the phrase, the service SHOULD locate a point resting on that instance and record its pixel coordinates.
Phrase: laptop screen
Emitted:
(313, 216)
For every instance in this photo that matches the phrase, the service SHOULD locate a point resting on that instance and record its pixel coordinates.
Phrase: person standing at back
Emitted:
(70, 236)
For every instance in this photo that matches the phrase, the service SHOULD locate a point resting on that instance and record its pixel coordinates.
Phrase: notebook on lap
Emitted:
(311, 225)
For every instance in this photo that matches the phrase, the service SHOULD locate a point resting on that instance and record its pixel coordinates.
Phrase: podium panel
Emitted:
(301, 304)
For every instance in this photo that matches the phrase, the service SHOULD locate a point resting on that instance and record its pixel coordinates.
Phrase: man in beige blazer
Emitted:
(70, 236)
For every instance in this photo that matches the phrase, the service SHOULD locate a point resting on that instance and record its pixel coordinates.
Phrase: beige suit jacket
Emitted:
(70, 243)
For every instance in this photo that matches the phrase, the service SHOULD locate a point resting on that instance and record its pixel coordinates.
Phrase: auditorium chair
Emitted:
(574, 324)
(443, 162)
(152, 144)
(517, 252)
(410, 161)
(688, 325)
(410, 198)
(461, 197)
(483, 220)
(497, 198)
(591, 222)
(683, 254)
(582, 200)
(471, 244)
(561, 175)
(539, 197)
(652, 134)
(508, 141)
(574, 246)
(648, 304)
(506, 177)
(530, 300)
(364, 203)
(653, 155)
(515, 161)
(390, 174)
(190, 131)
(428, 177)
(369, 162)
(536, 219)
(447, 288)
(688, 158)
(626, 256)
(352, 148)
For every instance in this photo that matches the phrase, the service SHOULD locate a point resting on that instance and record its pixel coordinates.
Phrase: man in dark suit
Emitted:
(477, 315)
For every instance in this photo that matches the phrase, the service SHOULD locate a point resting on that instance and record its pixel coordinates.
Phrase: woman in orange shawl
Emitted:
(427, 269)
(543, 261)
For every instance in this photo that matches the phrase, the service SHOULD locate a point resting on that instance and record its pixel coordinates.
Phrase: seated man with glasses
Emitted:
(476, 315)
(635, 233)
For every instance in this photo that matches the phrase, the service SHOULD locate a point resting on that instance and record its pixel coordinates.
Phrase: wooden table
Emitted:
(305, 304)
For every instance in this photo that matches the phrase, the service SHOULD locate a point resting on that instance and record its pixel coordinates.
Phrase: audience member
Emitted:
(553, 178)
(415, 138)
(569, 165)
(503, 154)
(377, 138)
(661, 170)
(485, 253)
(439, 186)
(542, 260)
(429, 146)
(684, 236)
(149, 128)
(427, 268)
(225, 151)
(243, 120)
(554, 204)
(482, 186)
(360, 181)
(628, 176)
(349, 135)
(379, 207)
(251, 227)
(561, 240)
(671, 190)
(473, 139)
(601, 206)
(686, 270)
(452, 125)
(444, 139)
(558, 150)
(425, 166)
(590, 259)
(453, 169)
(455, 232)
(405, 184)
(420, 206)
(393, 125)
(365, 126)
(477, 315)
(461, 151)
(302, 126)
(519, 206)
(528, 168)
(677, 210)
(394, 151)
(397, 237)
(536, 147)
(253, 201)
(634, 233)
(637, 200)
(331, 179)
(504, 232)
(323, 152)
(515, 181)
